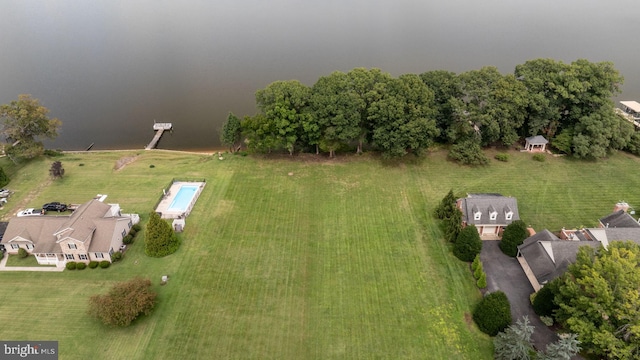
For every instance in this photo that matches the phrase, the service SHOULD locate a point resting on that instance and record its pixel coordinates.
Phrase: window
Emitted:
(111, 251)
(15, 246)
(508, 216)
(99, 256)
(83, 257)
(493, 215)
(69, 256)
(124, 233)
(29, 246)
(477, 215)
(72, 246)
(130, 224)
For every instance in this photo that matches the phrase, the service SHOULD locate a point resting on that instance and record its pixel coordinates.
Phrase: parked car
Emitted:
(54, 206)
(5, 193)
(31, 212)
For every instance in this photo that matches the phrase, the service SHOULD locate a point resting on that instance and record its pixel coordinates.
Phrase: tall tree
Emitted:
(446, 89)
(513, 236)
(56, 170)
(403, 117)
(599, 300)
(285, 105)
(160, 239)
(231, 132)
(337, 107)
(25, 121)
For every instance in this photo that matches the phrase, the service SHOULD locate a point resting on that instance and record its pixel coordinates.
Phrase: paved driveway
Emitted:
(504, 273)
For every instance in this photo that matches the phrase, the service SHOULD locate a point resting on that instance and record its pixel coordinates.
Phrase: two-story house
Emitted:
(490, 213)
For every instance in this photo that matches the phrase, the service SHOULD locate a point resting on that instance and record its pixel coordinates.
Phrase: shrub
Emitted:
(71, 265)
(513, 235)
(136, 227)
(105, 264)
(468, 244)
(53, 153)
(479, 271)
(468, 153)
(539, 157)
(22, 253)
(502, 157)
(4, 179)
(116, 256)
(476, 262)
(81, 164)
(127, 239)
(493, 313)
(123, 303)
(133, 232)
(543, 304)
(482, 281)
(81, 266)
(93, 264)
(547, 320)
(151, 166)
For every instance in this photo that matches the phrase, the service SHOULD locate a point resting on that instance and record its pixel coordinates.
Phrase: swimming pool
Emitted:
(183, 198)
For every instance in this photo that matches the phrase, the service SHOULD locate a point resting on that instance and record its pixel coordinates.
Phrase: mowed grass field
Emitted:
(340, 260)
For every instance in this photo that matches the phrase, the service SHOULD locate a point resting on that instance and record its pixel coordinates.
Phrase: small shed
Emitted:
(535, 143)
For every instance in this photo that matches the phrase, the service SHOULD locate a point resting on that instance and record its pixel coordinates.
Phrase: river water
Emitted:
(108, 68)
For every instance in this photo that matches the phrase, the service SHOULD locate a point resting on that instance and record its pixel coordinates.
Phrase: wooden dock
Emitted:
(159, 129)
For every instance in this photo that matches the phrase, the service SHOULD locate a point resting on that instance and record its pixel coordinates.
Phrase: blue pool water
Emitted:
(183, 198)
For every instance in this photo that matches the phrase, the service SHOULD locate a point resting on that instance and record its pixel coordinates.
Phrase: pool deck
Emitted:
(163, 206)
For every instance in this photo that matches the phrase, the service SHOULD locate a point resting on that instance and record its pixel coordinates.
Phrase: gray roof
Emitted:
(619, 219)
(537, 140)
(485, 204)
(548, 256)
(91, 223)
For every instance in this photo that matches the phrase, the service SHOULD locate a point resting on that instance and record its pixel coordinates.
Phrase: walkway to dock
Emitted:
(159, 128)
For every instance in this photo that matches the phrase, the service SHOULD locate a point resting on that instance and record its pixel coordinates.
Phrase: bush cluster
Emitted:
(502, 157)
(93, 264)
(127, 239)
(81, 266)
(539, 157)
(71, 265)
(116, 256)
(105, 264)
(478, 272)
(493, 313)
(136, 227)
(22, 253)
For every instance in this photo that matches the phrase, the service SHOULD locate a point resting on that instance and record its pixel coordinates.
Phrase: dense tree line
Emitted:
(571, 104)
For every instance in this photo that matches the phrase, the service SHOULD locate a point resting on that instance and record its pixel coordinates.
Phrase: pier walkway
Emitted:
(159, 129)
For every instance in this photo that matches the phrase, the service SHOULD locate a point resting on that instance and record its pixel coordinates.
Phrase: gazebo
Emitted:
(535, 143)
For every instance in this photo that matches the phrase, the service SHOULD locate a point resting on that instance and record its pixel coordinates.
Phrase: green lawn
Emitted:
(339, 260)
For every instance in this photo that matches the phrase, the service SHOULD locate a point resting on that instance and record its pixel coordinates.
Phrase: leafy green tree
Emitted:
(475, 264)
(482, 281)
(231, 132)
(124, 302)
(446, 207)
(260, 134)
(493, 313)
(445, 86)
(543, 303)
(25, 121)
(284, 105)
(515, 342)
(468, 244)
(403, 117)
(160, 239)
(468, 152)
(513, 236)
(599, 300)
(564, 349)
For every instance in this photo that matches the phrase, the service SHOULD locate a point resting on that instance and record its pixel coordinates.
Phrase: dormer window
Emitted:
(508, 213)
(476, 213)
(493, 214)
(72, 246)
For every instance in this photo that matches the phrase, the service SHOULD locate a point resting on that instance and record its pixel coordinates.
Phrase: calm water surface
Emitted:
(108, 69)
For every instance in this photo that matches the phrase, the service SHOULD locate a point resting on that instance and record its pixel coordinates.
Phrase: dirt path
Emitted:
(27, 199)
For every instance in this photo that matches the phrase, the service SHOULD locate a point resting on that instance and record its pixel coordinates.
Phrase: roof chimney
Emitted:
(621, 206)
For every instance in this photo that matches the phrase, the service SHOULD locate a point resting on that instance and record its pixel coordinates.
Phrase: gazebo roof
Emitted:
(537, 140)
(633, 105)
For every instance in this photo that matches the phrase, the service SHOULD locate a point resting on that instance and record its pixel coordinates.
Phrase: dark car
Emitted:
(54, 206)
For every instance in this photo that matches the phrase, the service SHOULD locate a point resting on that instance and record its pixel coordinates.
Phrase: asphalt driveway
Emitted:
(504, 273)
